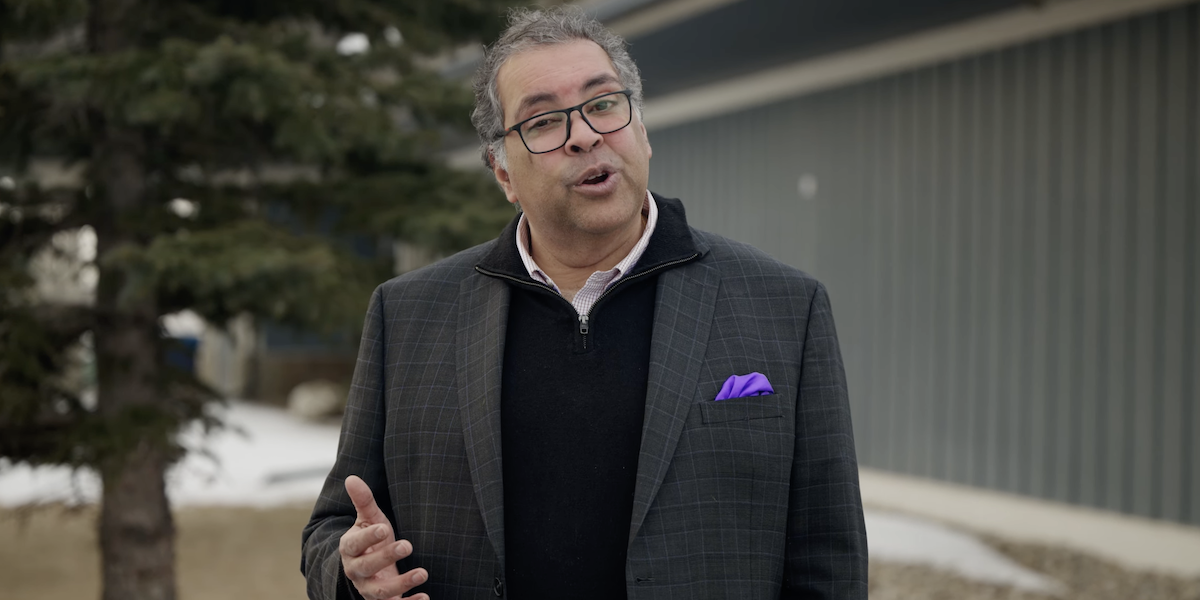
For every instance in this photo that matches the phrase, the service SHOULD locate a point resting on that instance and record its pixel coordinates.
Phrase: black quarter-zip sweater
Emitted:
(572, 399)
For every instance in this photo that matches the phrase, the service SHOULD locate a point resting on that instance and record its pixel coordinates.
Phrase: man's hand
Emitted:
(369, 550)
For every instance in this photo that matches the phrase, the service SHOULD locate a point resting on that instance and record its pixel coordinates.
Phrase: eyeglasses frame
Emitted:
(568, 111)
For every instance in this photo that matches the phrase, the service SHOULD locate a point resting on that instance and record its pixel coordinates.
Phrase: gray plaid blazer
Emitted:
(743, 498)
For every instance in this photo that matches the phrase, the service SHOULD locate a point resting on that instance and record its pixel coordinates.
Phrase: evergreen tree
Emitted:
(226, 152)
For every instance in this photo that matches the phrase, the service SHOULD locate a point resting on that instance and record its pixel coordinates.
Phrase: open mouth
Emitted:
(601, 178)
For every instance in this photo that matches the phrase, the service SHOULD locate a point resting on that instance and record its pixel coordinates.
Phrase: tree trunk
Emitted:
(137, 535)
(136, 532)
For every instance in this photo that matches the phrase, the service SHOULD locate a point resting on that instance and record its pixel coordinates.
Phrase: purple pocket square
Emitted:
(740, 386)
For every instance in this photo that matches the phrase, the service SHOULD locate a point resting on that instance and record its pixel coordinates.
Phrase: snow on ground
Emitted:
(900, 538)
(263, 457)
(267, 457)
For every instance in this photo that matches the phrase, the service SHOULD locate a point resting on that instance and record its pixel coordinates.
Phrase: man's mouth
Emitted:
(596, 179)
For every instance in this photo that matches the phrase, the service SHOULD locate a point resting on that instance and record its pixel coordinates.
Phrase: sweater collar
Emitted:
(671, 242)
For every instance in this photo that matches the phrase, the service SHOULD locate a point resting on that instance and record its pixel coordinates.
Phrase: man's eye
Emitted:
(546, 122)
(602, 106)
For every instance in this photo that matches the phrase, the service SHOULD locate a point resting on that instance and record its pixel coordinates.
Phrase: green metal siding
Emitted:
(1010, 243)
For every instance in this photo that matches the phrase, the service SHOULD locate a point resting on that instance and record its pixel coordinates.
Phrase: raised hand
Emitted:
(369, 550)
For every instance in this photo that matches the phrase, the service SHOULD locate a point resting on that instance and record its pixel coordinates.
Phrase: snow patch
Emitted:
(263, 457)
(904, 539)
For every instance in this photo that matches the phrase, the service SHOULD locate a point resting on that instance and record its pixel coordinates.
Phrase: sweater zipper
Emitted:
(585, 319)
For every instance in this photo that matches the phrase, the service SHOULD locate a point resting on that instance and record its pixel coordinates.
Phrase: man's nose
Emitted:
(580, 135)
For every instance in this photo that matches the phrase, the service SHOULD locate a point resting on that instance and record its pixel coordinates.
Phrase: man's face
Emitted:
(595, 184)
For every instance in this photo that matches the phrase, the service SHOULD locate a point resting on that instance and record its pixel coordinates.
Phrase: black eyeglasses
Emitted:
(550, 131)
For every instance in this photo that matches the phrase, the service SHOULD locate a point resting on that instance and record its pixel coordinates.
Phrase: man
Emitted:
(600, 403)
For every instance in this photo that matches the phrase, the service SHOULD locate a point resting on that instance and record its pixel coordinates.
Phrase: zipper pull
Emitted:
(583, 324)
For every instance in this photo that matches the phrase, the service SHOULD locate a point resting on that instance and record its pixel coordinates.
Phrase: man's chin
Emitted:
(611, 219)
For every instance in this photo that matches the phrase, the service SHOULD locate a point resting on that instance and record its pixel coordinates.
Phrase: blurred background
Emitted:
(197, 197)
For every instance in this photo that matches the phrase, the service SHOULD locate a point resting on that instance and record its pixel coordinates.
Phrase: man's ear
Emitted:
(505, 181)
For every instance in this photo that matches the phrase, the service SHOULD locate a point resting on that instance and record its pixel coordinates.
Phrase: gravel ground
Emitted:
(1083, 576)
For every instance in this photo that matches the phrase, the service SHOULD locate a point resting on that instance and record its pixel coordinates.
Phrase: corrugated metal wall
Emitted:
(1010, 242)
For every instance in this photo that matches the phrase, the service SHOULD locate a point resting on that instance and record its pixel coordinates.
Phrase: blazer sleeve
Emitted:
(360, 452)
(826, 552)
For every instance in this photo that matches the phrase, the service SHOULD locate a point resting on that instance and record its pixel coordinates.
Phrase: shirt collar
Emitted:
(649, 210)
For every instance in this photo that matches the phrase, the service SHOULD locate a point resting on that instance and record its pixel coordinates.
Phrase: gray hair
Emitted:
(527, 29)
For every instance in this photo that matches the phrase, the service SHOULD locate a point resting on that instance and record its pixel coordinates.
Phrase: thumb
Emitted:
(364, 501)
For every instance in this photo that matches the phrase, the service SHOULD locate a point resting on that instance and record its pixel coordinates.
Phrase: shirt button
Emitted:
(498, 587)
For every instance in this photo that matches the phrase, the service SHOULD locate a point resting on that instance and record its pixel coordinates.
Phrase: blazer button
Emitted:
(498, 587)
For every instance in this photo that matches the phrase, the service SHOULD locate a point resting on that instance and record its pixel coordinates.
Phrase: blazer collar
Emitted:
(479, 342)
(683, 315)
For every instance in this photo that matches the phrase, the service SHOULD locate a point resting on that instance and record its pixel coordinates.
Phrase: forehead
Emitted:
(552, 75)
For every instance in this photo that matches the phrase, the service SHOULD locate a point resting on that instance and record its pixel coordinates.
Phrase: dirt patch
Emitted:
(1083, 576)
(893, 581)
(1092, 578)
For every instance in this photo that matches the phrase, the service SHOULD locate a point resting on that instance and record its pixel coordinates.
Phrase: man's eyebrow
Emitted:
(600, 80)
(597, 81)
(530, 101)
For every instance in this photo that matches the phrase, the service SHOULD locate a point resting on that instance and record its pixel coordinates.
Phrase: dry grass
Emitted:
(239, 552)
(223, 553)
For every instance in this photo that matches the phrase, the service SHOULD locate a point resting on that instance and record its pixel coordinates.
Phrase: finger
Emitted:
(395, 585)
(415, 577)
(357, 541)
(421, 596)
(369, 564)
(364, 500)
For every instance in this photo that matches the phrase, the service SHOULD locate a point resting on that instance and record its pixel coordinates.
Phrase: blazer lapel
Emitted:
(682, 317)
(482, 319)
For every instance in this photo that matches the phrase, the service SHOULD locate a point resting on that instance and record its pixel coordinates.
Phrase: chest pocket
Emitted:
(741, 409)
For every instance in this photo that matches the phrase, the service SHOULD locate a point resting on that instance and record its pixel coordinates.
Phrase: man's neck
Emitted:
(569, 263)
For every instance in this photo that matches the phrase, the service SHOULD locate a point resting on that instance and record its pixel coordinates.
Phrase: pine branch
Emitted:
(247, 267)
(208, 100)
(31, 216)
(23, 20)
